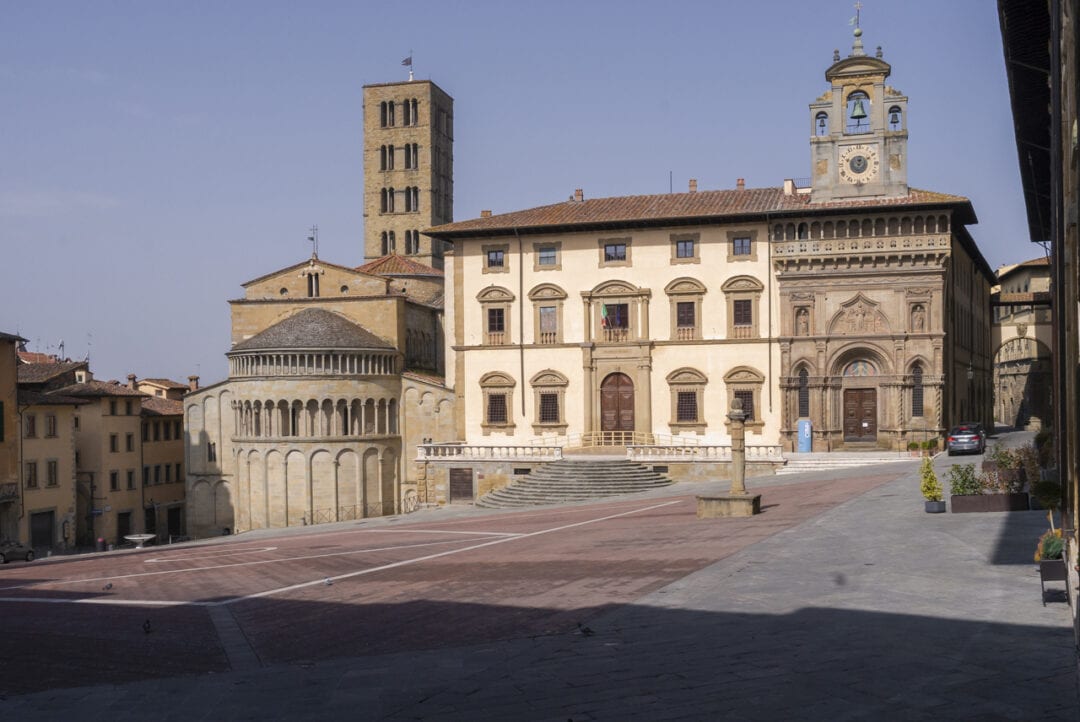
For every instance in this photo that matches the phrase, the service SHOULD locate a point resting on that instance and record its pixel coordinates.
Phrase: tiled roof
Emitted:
(164, 383)
(295, 266)
(395, 265)
(314, 328)
(36, 373)
(37, 398)
(677, 207)
(99, 388)
(157, 406)
(10, 337)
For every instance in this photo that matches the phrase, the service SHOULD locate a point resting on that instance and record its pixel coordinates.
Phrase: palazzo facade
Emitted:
(856, 303)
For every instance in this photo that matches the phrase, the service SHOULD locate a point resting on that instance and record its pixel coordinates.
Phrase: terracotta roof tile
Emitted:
(395, 265)
(36, 373)
(10, 337)
(99, 388)
(703, 205)
(37, 398)
(157, 406)
(165, 383)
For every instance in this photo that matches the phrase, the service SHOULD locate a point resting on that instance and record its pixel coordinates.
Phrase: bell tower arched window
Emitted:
(858, 113)
(896, 118)
(821, 124)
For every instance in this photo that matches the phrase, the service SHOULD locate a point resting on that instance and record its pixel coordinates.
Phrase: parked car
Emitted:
(966, 437)
(14, 550)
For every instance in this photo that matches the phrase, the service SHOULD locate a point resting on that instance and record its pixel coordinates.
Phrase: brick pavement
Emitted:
(843, 600)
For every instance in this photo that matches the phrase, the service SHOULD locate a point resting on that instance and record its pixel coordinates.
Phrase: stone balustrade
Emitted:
(466, 452)
(706, 453)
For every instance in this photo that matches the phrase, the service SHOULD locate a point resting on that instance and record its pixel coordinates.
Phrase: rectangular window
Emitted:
(114, 442)
(31, 426)
(178, 476)
(76, 423)
(145, 432)
(686, 410)
(157, 473)
(157, 431)
(684, 314)
(747, 398)
(684, 249)
(744, 312)
(547, 256)
(615, 315)
(52, 473)
(112, 407)
(211, 452)
(31, 474)
(496, 409)
(740, 246)
(496, 258)
(168, 431)
(549, 408)
(129, 442)
(614, 252)
(127, 408)
(168, 473)
(176, 430)
(496, 320)
(50, 425)
(131, 478)
(549, 324)
(146, 476)
(114, 481)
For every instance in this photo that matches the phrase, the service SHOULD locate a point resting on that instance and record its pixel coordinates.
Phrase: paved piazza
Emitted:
(830, 600)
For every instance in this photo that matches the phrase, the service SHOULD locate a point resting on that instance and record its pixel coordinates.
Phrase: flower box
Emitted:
(967, 503)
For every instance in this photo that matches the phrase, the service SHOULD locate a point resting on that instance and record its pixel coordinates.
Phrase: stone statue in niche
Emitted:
(918, 318)
(802, 322)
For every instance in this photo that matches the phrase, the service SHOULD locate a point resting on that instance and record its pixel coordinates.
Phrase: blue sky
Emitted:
(157, 155)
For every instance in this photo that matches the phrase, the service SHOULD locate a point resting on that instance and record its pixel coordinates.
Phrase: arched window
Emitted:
(804, 232)
(804, 393)
(916, 390)
(390, 157)
(390, 200)
(858, 113)
(406, 113)
(385, 201)
(391, 242)
(382, 114)
(382, 158)
(385, 244)
(821, 124)
(896, 118)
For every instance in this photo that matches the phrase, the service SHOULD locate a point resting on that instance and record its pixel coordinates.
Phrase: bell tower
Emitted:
(858, 130)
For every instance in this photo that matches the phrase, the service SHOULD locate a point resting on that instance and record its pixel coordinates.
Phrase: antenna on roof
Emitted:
(314, 238)
(89, 337)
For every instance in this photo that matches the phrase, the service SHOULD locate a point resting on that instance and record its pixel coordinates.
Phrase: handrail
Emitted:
(508, 452)
(593, 439)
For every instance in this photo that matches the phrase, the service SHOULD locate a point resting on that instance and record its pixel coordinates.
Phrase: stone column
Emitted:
(738, 447)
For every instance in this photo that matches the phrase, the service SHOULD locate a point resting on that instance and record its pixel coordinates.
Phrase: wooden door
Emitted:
(860, 415)
(461, 485)
(617, 403)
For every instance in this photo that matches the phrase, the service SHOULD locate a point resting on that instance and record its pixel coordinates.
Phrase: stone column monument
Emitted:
(737, 502)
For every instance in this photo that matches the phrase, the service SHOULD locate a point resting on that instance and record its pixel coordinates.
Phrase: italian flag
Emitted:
(603, 315)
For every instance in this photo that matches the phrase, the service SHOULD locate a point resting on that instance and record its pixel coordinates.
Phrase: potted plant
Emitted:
(931, 487)
(913, 448)
(1049, 555)
(929, 447)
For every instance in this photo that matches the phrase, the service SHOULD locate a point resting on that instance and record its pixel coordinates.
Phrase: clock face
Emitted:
(858, 163)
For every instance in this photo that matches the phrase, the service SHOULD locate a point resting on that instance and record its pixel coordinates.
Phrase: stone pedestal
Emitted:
(728, 505)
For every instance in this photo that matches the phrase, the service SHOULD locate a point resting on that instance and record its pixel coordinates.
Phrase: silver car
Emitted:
(966, 438)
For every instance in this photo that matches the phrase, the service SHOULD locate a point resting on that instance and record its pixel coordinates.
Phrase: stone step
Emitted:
(573, 480)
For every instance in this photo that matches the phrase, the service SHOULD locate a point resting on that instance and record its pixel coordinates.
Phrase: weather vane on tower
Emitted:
(314, 239)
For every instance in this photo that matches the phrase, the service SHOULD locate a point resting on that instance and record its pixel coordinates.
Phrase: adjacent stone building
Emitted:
(1022, 342)
(10, 498)
(333, 382)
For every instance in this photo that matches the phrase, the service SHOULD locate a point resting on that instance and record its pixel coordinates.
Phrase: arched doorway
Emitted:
(860, 401)
(617, 405)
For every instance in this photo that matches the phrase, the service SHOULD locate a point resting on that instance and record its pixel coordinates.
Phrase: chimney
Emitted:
(131, 381)
(740, 184)
(789, 187)
(485, 214)
(193, 383)
(693, 185)
(579, 195)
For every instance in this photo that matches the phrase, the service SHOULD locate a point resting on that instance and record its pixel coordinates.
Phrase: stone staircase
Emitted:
(574, 480)
(804, 463)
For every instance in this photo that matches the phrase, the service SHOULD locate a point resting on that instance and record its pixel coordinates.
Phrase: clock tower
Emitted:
(858, 131)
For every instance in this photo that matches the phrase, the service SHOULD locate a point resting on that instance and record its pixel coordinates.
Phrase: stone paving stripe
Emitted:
(233, 640)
